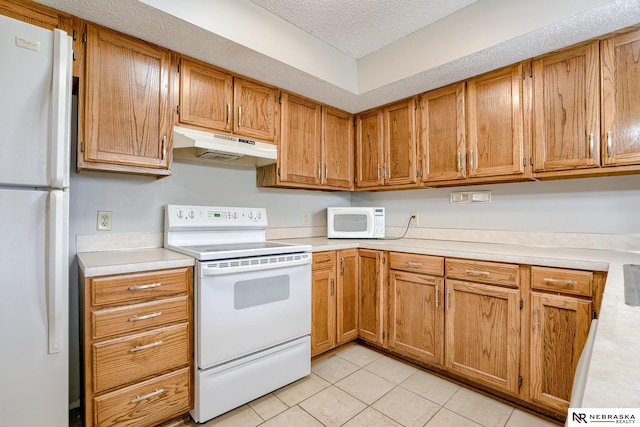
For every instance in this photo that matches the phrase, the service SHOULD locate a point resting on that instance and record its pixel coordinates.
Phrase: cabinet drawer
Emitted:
(133, 318)
(134, 357)
(426, 264)
(323, 261)
(573, 282)
(139, 286)
(484, 272)
(146, 403)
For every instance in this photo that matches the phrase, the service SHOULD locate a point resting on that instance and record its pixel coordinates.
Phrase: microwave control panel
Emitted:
(378, 223)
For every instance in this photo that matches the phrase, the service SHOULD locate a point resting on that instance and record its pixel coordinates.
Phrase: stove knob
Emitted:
(258, 215)
(192, 214)
(179, 215)
(250, 215)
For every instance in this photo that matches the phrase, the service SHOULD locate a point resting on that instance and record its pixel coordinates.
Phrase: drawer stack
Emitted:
(137, 347)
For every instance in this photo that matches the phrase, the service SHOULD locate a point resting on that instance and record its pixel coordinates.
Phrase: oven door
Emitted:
(250, 304)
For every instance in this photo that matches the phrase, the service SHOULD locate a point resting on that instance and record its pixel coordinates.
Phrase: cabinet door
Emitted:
(300, 140)
(255, 109)
(495, 123)
(566, 108)
(483, 333)
(442, 134)
(337, 148)
(369, 153)
(559, 330)
(347, 296)
(370, 299)
(206, 95)
(620, 99)
(126, 115)
(416, 317)
(400, 157)
(323, 313)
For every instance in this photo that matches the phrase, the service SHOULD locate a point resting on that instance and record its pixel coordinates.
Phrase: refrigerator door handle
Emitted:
(55, 270)
(60, 110)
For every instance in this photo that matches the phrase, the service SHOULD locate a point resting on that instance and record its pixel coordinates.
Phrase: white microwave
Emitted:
(355, 223)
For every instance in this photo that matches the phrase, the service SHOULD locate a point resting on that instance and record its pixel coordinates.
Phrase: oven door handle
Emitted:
(219, 271)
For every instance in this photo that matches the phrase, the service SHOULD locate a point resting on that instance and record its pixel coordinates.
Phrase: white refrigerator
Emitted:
(35, 94)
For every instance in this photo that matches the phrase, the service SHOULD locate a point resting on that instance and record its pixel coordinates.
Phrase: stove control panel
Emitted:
(192, 216)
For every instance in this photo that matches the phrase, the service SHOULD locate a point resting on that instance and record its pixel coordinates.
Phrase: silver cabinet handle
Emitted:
(342, 266)
(332, 287)
(144, 347)
(164, 147)
(609, 143)
(560, 281)
(537, 321)
(145, 317)
(378, 171)
(149, 286)
(591, 138)
(147, 396)
(437, 296)
(239, 115)
(459, 162)
(228, 112)
(472, 160)
(413, 264)
(478, 273)
(319, 171)
(448, 298)
(326, 171)
(384, 171)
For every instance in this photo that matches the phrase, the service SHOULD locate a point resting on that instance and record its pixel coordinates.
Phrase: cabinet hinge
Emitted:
(74, 35)
(84, 38)
(521, 303)
(524, 161)
(383, 260)
(354, 122)
(594, 315)
(178, 67)
(531, 160)
(82, 147)
(178, 109)
(522, 74)
(531, 72)
(383, 334)
(280, 100)
(415, 104)
(519, 381)
(278, 171)
(74, 55)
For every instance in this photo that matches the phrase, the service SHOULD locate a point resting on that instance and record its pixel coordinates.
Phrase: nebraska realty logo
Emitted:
(582, 416)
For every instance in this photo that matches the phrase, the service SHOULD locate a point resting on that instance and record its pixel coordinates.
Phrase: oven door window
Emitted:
(260, 291)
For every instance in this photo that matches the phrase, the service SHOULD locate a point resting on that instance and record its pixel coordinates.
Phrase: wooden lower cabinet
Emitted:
(137, 347)
(334, 296)
(483, 333)
(371, 304)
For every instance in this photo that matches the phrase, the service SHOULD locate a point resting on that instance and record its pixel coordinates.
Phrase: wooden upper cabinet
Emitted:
(255, 109)
(495, 123)
(369, 148)
(400, 156)
(442, 134)
(566, 105)
(126, 105)
(620, 99)
(32, 13)
(206, 96)
(337, 148)
(300, 140)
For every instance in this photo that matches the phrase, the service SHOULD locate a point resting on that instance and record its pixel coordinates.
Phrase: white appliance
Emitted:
(355, 223)
(35, 101)
(252, 301)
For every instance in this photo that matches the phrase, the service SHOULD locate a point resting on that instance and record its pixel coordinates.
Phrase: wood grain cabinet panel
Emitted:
(495, 133)
(255, 109)
(371, 298)
(566, 105)
(126, 106)
(483, 333)
(337, 149)
(620, 95)
(493, 273)
(559, 329)
(369, 149)
(574, 282)
(416, 316)
(442, 134)
(323, 310)
(347, 295)
(400, 156)
(416, 263)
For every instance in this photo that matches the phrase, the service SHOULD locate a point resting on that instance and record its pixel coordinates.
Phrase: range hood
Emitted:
(193, 144)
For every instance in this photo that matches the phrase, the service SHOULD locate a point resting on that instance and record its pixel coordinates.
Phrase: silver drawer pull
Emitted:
(146, 316)
(146, 396)
(437, 296)
(144, 347)
(149, 286)
(560, 281)
(413, 264)
(478, 273)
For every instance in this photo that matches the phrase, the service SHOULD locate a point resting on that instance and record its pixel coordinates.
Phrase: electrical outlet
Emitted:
(104, 221)
(414, 218)
(305, 218)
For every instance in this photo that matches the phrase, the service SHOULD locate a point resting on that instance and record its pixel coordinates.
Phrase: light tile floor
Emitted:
(358, 387)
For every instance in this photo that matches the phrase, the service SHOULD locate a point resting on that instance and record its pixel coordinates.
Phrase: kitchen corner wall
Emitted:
(608, 205)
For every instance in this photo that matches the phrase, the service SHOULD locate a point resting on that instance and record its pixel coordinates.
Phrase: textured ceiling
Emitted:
(245, 38)
(360, 27)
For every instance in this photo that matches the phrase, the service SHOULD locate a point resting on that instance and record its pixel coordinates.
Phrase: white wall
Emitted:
(586, 205)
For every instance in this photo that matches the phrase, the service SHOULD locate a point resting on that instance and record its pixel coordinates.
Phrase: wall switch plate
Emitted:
(414, 218)
(305, 218)
(470, 197)
(104, 221)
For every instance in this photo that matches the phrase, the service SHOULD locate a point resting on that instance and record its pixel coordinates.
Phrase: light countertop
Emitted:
(613, 375)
